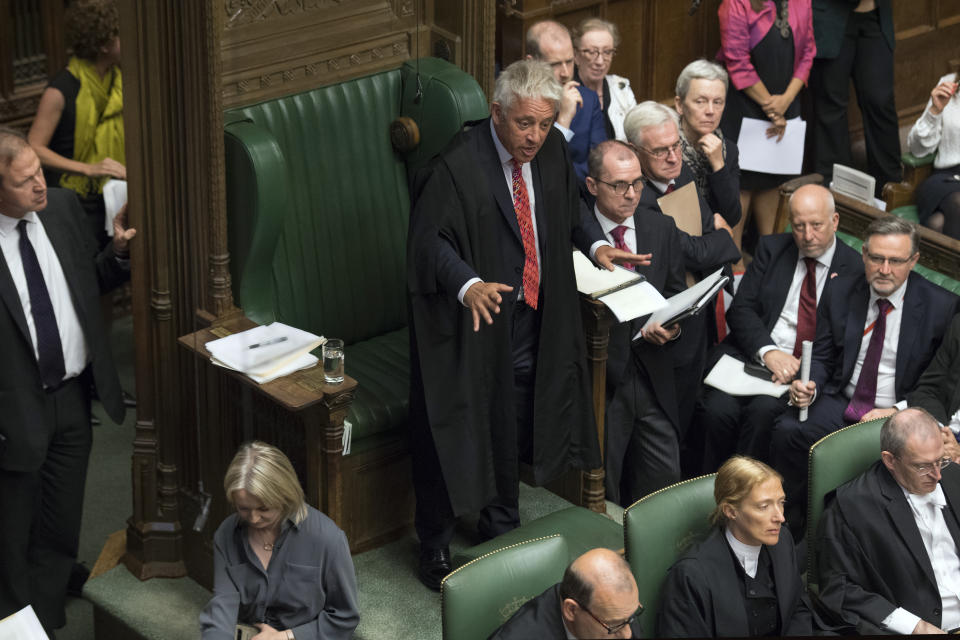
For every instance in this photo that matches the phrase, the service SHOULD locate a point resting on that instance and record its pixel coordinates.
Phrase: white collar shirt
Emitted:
(747, 555)
(608, 225)
(68, 323)
(887, 369)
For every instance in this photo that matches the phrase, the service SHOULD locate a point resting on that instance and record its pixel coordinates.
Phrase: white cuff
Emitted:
(900, 621)
(900, 406)
(463, 289)
(762, 351)
(567, 133)
(596, 245)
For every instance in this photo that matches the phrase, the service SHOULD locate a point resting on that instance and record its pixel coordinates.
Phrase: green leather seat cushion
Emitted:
(581, 528)
(381, 366)
(935, 277)
(907, 212)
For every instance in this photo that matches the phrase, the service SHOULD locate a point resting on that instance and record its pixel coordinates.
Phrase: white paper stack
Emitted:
(114, 197)
(22, 625)
(626, 293)
(728, 376)
(267, 352)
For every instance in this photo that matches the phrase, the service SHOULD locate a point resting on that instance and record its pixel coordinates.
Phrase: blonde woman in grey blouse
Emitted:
(938, 130)
(279, 564)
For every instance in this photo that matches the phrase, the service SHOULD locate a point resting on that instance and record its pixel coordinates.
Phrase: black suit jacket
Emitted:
(764, 287)
(25, 432)
(830, 22)
(540, 618)
(842, 312)
(702, 597)
(656, 234)
(464, 225)
(872, 559)
(703, 254)
(938, 390)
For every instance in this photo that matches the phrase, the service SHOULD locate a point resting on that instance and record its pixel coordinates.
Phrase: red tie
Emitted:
(618, 241)
(521, 205)
(865, 394)
(670, 188)
(807, 311)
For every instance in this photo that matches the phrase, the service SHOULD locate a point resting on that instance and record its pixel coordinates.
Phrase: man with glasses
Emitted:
(579, 118)
(597, 598)
(642, 452)
(875, 335)
(888, 539)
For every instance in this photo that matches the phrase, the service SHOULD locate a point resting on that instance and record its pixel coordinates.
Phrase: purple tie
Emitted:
(49, 348)
(865, 395)
(617, 233)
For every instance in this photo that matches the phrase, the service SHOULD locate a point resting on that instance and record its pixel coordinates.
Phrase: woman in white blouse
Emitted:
(594, 45)
(938, 129)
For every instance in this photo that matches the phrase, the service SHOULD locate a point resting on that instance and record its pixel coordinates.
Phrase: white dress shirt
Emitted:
(887, 370)
(506, 163)
(747, 554)
(942, 551)
(940, 133)
(661, 186)
(784, 332)
(608, 225)
(68, 324)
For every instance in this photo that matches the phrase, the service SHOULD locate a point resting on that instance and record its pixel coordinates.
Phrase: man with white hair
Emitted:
(491, 234)
(889, 538)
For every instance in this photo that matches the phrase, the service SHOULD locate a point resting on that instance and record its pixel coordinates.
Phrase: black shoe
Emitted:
(129, 400)
(434, 566)
(78, 577)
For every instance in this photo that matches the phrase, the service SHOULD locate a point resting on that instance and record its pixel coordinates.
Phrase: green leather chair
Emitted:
(835, 459)
(480, 596)
(581, 528)
(935, 277)
(658, 529)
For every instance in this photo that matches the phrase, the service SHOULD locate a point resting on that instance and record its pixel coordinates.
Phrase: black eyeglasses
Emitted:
(592, 54)
(612, 629)
(620, 187)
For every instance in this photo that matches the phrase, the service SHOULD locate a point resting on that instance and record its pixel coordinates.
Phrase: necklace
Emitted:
(267, 546)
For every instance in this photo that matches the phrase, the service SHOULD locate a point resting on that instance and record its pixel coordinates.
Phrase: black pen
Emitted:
(268, 342)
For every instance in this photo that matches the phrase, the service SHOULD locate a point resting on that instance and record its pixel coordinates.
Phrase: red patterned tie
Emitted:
(807, 311)
(618, 241)
(670, 188)
(521, 205)
(865, 395)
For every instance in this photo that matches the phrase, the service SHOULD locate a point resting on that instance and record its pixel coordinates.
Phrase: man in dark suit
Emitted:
(888, 539)
(875, 336)
(855, 39)
(774, 311)
(482, 400)
(654, 130)
(938, 390)
(642, 452)
(55, 346)
(580, 116)
(597, 598)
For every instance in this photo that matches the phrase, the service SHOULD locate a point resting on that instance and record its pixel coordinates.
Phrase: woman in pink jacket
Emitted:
(768, 48)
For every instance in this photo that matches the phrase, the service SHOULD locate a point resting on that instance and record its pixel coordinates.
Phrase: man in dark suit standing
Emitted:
(597, 598)
(888, 539)
(580, 116)
(938, 390)
(484, 399)
(875, 336)
(642, 452)
(55, 345)
(654, 130)
(774, 311)
(855, 40)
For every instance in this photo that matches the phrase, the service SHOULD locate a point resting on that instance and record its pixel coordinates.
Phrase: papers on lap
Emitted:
(766, 155)
(22, 625)
(267, 352)
(626, 293)
(728, 376)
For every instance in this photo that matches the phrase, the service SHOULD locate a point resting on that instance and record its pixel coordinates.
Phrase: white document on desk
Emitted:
(766, 155)
(728, 376)
(22, 625)
(266, 352)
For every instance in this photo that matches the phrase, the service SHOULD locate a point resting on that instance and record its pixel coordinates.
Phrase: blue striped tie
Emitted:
(49, 348)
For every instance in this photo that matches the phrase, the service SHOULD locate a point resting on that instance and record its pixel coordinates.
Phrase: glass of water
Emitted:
(333, 361)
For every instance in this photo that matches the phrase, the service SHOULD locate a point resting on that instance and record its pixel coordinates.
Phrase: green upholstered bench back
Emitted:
(834, 460)
(658, 529)
(935, 277)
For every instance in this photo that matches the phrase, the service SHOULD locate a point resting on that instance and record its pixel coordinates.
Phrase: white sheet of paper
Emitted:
(590, 278)
(298, 363)
(22, 625)
(728, 376)
(760, 153)
(684, 299)
(114, 197)
(635, 301)
(234, 351)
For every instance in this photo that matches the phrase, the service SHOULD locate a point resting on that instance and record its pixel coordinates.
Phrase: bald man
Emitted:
(580, 116)
(889, 538)
(775, 309)
(597, 598)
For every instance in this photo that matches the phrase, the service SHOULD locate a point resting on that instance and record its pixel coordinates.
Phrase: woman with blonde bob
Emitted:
(743, 580)
(279, 564)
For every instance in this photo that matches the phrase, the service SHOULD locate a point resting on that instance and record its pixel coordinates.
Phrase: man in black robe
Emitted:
(491, 234)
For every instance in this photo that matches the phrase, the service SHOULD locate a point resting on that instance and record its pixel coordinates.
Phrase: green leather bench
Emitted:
(661, 527)
(935, 277)
(318, 206)
(477, 598)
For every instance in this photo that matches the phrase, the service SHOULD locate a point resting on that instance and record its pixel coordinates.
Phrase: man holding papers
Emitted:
(642, 452)
(774, 311)
(875, 335)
